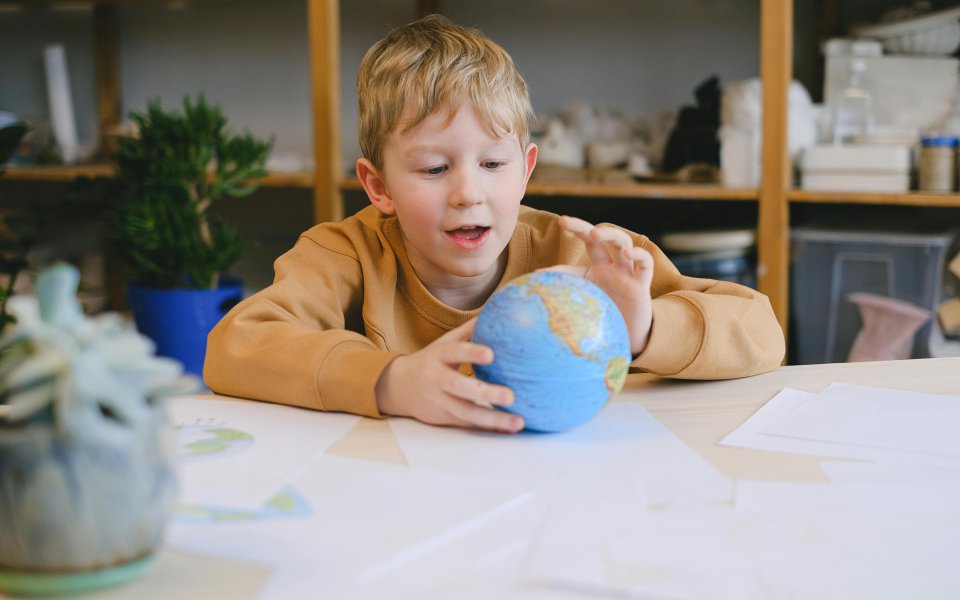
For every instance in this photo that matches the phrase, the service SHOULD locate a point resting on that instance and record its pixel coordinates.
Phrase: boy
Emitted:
(373, 315)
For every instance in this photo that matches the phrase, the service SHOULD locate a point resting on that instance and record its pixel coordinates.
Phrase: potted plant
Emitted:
(168, 176)
(87, 459)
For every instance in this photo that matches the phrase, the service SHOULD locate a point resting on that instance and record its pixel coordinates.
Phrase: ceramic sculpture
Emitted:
(889, 327)
(87, 458)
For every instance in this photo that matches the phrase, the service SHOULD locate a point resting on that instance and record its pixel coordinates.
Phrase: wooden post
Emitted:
(323, 21)
(776, 72)
(106, 57)
(106, 52)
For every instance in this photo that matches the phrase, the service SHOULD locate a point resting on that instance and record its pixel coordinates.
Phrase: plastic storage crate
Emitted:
(830, 264)
(738, 268)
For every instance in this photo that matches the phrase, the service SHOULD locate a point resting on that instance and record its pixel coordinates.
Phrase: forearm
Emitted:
(729, 331)
(293, 364)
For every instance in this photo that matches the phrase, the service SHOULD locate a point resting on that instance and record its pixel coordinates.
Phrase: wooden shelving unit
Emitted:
(773, 198)
(608, 190)
(909, 199)
(302, 179)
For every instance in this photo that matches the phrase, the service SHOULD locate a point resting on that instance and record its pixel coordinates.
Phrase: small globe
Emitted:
(559, 342)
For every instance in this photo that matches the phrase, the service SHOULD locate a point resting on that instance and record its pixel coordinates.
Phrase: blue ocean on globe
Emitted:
(559, 342)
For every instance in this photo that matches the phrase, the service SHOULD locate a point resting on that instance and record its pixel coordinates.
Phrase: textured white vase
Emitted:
(87, 457)
(84, 500)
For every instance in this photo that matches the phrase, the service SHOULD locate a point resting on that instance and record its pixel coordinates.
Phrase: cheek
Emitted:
(416, 210)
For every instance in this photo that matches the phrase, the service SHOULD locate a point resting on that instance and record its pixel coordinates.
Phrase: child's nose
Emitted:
(466, 191)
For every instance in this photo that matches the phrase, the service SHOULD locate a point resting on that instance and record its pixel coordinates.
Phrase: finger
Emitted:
(597, 248)
(476, 390)
(642, 263)
(613, 235)
(470, 415)
(458, 352)
(615, 242)
(575, 225)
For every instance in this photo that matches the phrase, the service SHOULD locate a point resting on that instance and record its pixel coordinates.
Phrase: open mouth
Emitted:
(468, 233)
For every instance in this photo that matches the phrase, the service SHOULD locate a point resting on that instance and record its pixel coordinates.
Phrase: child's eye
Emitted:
(434, 170)
(493, 164)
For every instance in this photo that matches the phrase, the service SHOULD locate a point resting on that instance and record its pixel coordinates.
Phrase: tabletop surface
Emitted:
(698, 413)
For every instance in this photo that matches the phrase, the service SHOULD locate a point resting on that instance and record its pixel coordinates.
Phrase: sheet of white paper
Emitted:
(624, 438)
(876, 418)
(874, 497)
(380, 530)
(735, 553)
(890, 474)
(752, 433)
(572, 471)
(238, 453)
(895, 488)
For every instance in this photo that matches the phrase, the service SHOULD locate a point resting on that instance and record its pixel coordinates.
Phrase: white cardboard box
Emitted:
(859, 158)
(882, 183)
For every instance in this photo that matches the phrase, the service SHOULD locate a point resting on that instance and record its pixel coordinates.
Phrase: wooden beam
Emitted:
(106, 57)
(776, 72)
(323, 21)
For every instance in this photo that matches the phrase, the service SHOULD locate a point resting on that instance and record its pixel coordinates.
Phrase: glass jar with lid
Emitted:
(938, 163)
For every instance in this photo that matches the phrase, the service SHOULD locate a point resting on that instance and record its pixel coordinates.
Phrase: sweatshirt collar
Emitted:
(519, 262)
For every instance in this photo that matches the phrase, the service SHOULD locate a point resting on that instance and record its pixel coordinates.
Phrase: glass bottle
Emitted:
(853, 119)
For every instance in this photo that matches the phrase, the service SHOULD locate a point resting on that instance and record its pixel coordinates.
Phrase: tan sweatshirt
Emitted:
(345, 302)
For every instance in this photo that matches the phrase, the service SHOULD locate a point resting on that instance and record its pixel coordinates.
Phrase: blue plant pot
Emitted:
(178, 321)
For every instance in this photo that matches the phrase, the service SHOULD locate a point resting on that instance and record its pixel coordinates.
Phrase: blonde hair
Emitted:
(433, 64)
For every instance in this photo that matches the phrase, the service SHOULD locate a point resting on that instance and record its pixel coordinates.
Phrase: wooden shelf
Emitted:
(673, 191)
(302, 179)
(908, 199)
(57, 173)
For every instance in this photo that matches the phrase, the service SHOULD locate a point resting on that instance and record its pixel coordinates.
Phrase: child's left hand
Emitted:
(622, 270)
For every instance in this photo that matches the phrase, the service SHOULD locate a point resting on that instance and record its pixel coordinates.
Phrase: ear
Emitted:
(530, 158)
(375, 187)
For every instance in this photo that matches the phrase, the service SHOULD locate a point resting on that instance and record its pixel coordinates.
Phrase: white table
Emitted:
(699, 413)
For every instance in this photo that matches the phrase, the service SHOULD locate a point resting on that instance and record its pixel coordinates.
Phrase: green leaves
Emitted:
(10, 137)
(169, 176)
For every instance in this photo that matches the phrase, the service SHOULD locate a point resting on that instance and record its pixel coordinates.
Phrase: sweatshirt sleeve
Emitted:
(291, 343)
(707, 329)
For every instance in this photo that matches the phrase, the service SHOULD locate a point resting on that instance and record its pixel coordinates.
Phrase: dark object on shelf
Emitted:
(694, 138)
(10, 137)
(15, 241)
(723, 266)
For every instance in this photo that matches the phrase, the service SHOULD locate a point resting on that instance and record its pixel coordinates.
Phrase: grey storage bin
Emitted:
(830, 264)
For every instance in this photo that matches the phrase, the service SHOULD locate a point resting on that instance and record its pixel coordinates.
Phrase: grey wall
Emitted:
(251, 57)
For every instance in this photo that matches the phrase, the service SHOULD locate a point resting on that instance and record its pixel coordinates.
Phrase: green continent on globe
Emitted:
(616, 374)
(572, 320)
(219, 441)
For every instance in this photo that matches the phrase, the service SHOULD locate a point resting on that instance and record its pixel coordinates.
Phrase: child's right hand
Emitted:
(427, 386)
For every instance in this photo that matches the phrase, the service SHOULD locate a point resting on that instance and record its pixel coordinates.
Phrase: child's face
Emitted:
(456, 189)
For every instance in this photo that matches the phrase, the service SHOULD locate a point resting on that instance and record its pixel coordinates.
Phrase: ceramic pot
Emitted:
(89, 496)
(888, 328)
(178, 321)
(87, 458)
